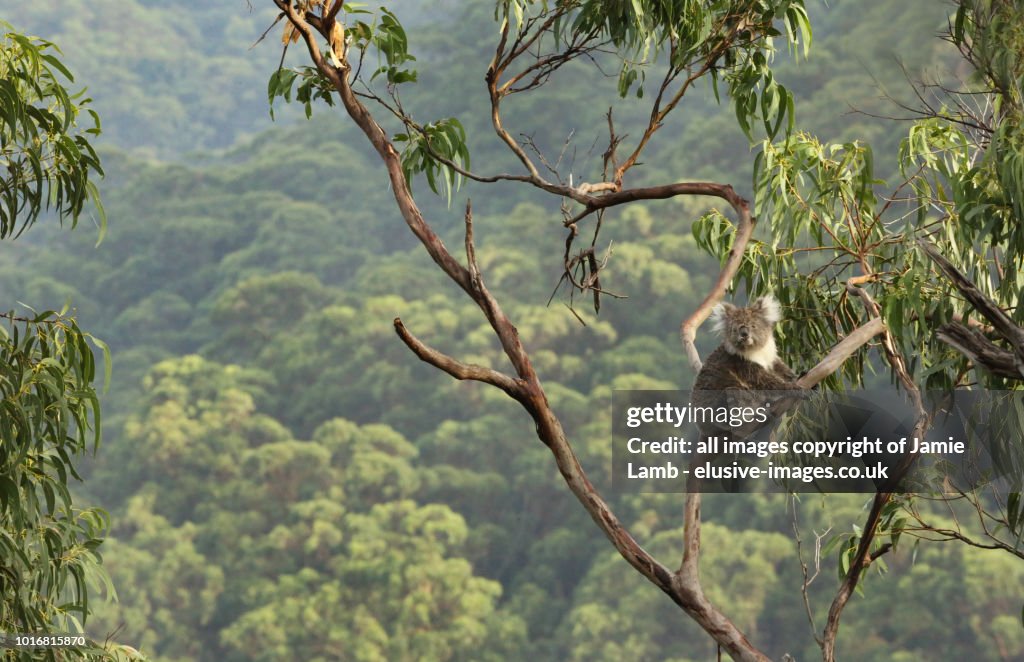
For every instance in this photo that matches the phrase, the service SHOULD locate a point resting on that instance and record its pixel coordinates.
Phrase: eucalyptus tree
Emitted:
(855, 263)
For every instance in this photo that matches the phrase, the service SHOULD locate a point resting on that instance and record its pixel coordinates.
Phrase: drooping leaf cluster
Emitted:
(46, 156)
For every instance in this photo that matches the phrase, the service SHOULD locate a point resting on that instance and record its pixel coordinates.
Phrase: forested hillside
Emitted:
(286, 481)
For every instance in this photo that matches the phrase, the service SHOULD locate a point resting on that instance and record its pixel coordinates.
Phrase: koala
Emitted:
(738, 372)
(747, 359)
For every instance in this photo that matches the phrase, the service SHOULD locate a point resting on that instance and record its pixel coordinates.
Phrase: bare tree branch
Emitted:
(970, 343)
(808, 578)
(927, 532)
(842, 351)
(973, 344)
(333, 10)
(456, 368)
(744, 230)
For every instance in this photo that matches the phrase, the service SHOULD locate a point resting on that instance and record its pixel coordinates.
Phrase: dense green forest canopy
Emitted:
(286, 482)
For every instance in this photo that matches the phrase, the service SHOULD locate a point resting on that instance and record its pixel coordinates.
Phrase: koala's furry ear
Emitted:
(768, 305)
(718, 315)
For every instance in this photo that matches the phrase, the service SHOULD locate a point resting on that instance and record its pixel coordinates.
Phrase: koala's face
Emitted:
(746, 329)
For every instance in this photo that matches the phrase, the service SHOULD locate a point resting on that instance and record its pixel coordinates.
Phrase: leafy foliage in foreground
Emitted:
(47, 158)
(49, 410)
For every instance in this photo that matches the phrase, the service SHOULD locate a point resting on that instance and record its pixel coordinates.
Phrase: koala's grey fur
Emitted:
(738, 372)
(747, 359)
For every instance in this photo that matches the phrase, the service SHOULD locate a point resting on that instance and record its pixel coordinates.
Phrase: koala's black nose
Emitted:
(744, 334)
